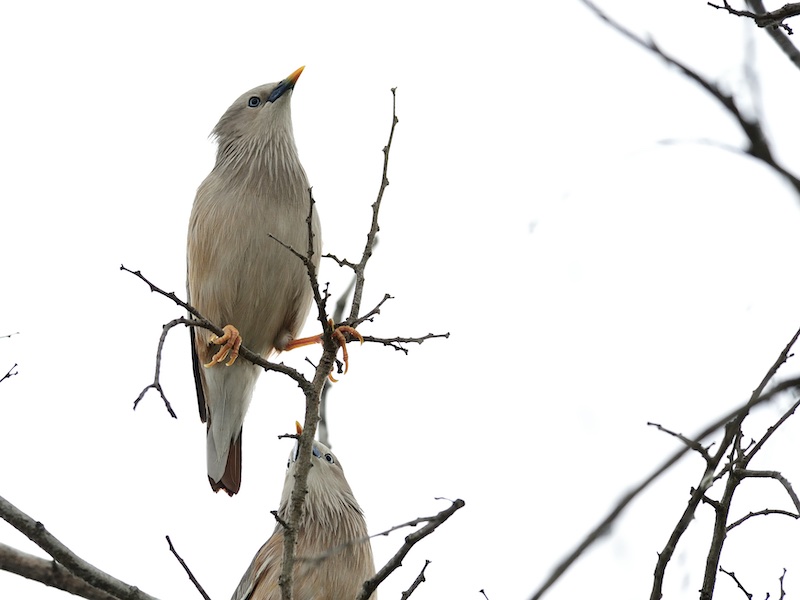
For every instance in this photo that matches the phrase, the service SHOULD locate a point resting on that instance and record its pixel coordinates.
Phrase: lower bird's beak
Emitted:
(285, 85)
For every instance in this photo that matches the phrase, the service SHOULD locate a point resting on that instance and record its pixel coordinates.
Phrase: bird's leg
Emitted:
(230, 342)
(338, 337)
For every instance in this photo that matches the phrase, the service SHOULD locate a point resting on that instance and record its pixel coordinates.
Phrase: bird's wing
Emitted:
(198, 379)
(196, 366)
(260, 581)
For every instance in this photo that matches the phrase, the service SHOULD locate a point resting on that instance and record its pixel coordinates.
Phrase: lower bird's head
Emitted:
(329, 494)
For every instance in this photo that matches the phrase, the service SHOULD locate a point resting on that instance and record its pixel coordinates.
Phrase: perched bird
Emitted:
(236, 273)
(333, 551)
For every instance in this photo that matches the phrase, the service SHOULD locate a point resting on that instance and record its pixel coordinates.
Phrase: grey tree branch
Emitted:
(93, 576)
(9, 373)
(48, 572)
(188, 571)
(374, 228)
(732, 575)
(758, 144)
(757, 397)
(420, 579)
(770, 19)
(397, 560)
(778, 36)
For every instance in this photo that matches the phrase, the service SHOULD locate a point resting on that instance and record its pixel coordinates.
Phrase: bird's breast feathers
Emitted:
(239, 274)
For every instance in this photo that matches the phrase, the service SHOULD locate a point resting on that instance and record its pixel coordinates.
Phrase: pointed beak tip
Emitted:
(296, 75)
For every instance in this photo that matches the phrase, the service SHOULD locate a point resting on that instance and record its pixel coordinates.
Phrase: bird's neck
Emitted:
(325, 524)
(267, 162)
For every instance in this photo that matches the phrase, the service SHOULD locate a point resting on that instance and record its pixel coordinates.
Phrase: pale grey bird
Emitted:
(236, 274)
(333, 550)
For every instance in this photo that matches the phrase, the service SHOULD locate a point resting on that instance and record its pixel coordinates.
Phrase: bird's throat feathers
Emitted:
(271, 156)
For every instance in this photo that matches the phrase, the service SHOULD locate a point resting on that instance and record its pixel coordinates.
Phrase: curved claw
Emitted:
(230, 341)
(339, 338)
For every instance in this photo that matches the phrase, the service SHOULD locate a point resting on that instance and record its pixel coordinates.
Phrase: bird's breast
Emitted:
(238, 272)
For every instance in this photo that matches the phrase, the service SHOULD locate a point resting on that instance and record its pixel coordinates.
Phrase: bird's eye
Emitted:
(254, 101)
(329, 457)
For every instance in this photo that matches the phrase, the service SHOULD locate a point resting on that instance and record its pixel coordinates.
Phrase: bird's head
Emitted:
(262, 111)
(329, 494)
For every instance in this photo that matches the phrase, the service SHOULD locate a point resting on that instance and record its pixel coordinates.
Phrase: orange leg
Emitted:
(230, 342)
(338, 337)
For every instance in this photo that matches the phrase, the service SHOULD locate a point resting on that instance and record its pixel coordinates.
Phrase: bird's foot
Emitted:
(230, 342)
(338, 336)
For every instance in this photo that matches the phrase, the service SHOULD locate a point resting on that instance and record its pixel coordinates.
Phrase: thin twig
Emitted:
(9, 373)
(338, 313)
(396, 342)
(188, 570)
(766, 511)
(770, 19)
(778, 36)
(420, 578)
(359, 269)
(201, 321)
(732, 575)
(604, 526)
(696, 446)
(742, 473)
(397, 560)
(759, 146)
(362, 540)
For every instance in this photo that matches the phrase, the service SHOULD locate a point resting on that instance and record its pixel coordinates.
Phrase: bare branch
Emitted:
(766, 511)
(338, 313)
(48, 572)
(312, 394)
(375, 311)
(9, 373)
(420, 578)
(156, 385)
(696, 446)
(374, 228)
(188, 571)
(396, 342)
(397, 560)
(777, 35)
(742, 473)
(201, 321)
(772, 19)
(758, 396)
(759, 146)
(336, 549)
(783, 592)
(732, 575)
(96, 578)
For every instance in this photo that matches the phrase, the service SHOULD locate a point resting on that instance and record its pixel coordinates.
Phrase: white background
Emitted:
(592, 278)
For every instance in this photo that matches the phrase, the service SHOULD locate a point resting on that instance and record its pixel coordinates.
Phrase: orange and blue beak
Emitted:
(285, 85)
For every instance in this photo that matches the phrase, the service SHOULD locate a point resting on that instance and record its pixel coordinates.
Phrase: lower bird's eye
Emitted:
(254, 101)
(329, 458)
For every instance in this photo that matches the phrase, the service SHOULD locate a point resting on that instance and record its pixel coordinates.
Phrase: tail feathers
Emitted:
(228, 391)
(231, 479)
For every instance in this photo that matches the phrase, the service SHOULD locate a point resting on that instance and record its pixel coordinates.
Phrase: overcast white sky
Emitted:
(592, 279)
